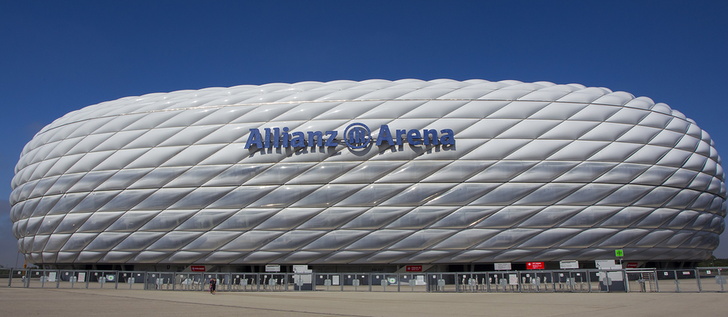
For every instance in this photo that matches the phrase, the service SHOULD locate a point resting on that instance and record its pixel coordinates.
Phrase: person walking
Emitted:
(213, 286)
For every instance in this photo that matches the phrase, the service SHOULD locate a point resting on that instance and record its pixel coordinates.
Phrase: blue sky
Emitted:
(59, 56)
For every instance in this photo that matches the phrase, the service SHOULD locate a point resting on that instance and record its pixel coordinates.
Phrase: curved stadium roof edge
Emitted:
(295, 90)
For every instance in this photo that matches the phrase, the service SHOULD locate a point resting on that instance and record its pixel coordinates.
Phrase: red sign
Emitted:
(535, 266)
(632, 265)
(197, 268)
(414, 268)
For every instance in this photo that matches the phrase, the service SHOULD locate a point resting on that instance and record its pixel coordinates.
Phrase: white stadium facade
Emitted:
(376, 174)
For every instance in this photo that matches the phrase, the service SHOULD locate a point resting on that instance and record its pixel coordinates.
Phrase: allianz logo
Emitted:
(355, 136)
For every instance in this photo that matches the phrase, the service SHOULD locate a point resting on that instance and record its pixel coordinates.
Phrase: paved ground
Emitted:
(23, 302)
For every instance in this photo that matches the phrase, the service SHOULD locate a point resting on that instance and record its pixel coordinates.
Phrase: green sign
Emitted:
(619, 252)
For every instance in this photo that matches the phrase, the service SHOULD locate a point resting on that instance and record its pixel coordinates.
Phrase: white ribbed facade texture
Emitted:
(531, 172)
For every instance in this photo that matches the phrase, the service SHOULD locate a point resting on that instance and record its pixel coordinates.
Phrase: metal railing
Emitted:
(704, 279)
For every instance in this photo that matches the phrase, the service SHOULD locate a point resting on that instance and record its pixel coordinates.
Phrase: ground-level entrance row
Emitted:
(705, 279)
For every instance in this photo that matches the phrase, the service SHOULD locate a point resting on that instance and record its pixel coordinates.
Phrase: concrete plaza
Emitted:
(108, 302)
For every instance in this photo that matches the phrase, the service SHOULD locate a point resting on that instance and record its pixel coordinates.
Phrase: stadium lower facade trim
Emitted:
(375, 172)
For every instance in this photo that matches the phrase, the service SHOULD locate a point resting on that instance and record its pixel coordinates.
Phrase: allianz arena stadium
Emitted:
(372, 173)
